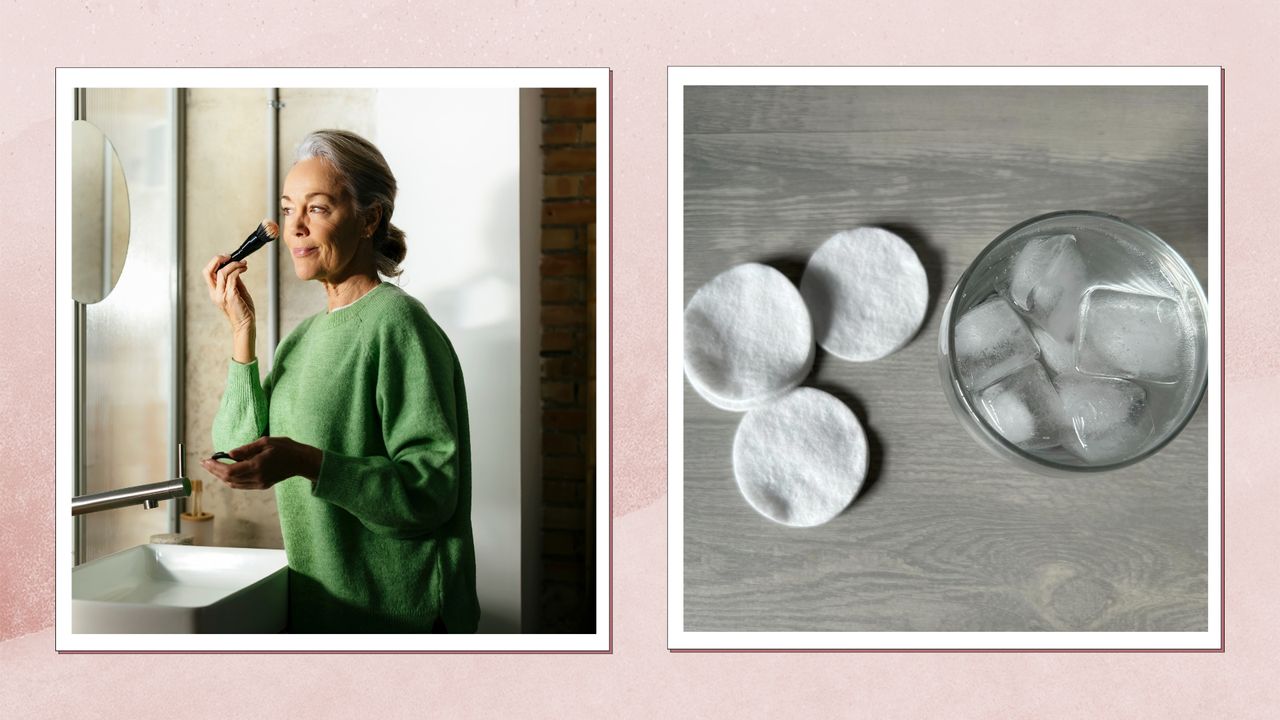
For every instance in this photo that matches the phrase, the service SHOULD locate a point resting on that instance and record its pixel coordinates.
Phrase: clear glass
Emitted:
(1117, 255)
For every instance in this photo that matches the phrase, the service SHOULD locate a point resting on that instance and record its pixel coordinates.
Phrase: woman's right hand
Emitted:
(227, 291)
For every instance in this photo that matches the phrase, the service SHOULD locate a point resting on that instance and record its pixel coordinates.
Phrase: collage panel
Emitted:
(333, 360)
(944, 358)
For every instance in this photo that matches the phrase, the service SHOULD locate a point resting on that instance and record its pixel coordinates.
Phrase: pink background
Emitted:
(638, 41)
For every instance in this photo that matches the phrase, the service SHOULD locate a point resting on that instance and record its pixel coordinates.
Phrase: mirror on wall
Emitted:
(99, 214)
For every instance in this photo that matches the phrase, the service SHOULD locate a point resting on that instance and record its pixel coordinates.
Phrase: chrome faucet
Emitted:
(148, 495)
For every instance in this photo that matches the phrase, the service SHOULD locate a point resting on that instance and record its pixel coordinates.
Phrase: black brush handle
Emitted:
(256, 239)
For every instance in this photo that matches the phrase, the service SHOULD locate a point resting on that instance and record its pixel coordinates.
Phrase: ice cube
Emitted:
(1108, 418)
(1125, 335)
(991, 342)
(1046, 280)
(1025, 409)
(1058, 357)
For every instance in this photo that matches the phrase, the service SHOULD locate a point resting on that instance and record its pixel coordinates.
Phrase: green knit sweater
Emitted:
(383, 541)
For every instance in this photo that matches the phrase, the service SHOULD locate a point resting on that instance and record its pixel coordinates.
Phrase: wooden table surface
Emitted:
(943, 536)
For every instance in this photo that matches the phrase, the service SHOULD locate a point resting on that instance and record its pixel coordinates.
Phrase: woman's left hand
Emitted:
(265, 462)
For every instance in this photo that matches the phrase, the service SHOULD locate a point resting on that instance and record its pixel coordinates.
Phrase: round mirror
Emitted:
(99, 214)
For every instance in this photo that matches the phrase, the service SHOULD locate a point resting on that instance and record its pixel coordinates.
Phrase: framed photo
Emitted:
(916, 496)
(464, 486)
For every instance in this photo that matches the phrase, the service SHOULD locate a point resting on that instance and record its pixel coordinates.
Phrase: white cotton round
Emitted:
(867, 293)
(747, 337)
(743, 405)
(800, 461)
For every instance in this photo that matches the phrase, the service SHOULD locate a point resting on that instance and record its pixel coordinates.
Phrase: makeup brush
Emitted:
(265, 233)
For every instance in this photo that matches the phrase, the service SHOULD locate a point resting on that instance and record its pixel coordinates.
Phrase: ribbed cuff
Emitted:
(244, 389)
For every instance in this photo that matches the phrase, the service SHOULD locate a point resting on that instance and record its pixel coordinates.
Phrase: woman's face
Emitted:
(321, 226)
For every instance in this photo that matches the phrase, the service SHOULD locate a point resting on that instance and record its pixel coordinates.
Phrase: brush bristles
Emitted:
(272, 229)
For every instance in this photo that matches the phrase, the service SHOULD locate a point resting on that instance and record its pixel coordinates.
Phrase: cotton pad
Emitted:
(747, 337)
(867, 293)
(799, 461)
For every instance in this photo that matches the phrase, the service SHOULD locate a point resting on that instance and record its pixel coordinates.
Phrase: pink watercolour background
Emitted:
(640, 678)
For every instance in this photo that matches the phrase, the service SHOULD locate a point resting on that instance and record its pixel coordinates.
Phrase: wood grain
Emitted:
(943, 536)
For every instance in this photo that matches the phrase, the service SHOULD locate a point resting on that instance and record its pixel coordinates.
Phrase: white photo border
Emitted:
(66, 80)
(678, 78)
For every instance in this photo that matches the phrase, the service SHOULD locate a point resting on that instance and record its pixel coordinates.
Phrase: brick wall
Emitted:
(568, 358)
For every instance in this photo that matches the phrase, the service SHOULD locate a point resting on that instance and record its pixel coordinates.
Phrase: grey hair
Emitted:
(368, 179)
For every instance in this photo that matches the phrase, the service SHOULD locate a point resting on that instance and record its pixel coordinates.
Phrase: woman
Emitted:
(368, 449)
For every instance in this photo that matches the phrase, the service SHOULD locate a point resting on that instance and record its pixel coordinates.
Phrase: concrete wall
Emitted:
(226, 163)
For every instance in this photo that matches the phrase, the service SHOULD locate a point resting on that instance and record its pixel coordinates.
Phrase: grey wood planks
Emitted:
(944, 536)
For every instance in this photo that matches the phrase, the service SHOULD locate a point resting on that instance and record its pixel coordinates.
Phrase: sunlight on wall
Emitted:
(455, 154)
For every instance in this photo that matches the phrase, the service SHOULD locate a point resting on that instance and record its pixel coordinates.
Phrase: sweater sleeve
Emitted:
(413, 489)
(242, 414)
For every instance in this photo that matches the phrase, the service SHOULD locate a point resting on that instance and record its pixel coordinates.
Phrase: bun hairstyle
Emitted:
(368, 179)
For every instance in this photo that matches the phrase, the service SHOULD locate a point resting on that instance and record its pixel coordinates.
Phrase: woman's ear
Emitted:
(371, 220)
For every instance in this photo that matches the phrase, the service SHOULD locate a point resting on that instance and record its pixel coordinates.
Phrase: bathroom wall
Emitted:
(226, 198)
(128, 335)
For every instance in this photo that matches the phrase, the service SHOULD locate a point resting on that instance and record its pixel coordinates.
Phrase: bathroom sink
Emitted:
(181, 589)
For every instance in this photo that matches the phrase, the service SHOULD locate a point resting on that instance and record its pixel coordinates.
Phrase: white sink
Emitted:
(181, 589)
